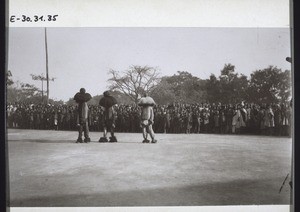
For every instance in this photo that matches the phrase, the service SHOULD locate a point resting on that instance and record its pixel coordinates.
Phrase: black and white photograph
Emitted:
(149, 116)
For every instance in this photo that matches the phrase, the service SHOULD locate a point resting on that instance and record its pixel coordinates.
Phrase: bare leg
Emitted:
(104, 132)
(112, 132)
(80, 128)
(104, 138)
(86, 132)
(151, 132)
(145, 134)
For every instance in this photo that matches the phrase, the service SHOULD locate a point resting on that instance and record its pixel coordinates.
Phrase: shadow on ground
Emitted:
(73, 141)
(44, 141)
(239, 192)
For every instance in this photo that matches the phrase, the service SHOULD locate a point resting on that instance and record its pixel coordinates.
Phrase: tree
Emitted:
(228, 73)
(135, 81)
(13, 94)
(229, 87)
(233, 86)
(181, 87)
(241, 85)
(23, 92)
(213, 89)
(284, 88)
(187, 88)
(270, 85)
(41, 78)
(163, 93)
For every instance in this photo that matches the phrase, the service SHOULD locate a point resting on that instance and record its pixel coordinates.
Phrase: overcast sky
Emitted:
(82, 57)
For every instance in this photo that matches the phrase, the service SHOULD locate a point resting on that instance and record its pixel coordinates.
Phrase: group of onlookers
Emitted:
(264, 119)
(243, 118)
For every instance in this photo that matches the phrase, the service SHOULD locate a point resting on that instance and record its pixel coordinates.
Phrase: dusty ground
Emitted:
(48, 169)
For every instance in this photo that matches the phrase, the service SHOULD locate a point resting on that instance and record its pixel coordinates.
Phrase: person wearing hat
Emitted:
(147, 118)
(82, 115)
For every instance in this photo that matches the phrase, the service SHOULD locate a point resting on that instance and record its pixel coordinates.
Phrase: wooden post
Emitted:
(42, 91)
(47, 75)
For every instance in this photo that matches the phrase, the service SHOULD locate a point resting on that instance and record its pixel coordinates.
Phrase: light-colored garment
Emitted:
(269, 118)
(244, 111)
(144, 123)
(237, 119)
(286, 115)
(206, 115)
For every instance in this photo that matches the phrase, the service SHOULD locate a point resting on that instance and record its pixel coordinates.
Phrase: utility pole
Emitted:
(47, 75)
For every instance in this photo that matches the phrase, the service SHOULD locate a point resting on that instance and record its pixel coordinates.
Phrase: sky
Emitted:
(81, 57)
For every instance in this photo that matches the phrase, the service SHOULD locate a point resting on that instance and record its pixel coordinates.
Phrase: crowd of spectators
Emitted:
(243, 118)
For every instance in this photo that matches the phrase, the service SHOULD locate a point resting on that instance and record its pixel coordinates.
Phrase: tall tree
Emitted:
(229, 87)
(213, 89)
(135, 81)
(232, 85)
(187, 88)
(228, 73)
(181, 87)
(163, 93)
(241, 85)
(23, 93)
(270, 85)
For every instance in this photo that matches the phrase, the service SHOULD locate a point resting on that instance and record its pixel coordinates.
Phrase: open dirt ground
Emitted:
(47, 168)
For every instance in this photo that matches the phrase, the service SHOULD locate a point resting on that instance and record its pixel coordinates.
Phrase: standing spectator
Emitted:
(9, 115)
(261, 118)
(196, 121)
(37, 119)
(269, 120)
(277, 120)
(31, 119)
(216, 121)
(254, 120)
(14, 117)
(222, 120)
(229, 115)
(237, 120)
(211, 123)
(55, 120)
(248, 118)
(244, 116)
(286, 117)
(205, 117)
(188, 122)
(68, 120)
(166, 120)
